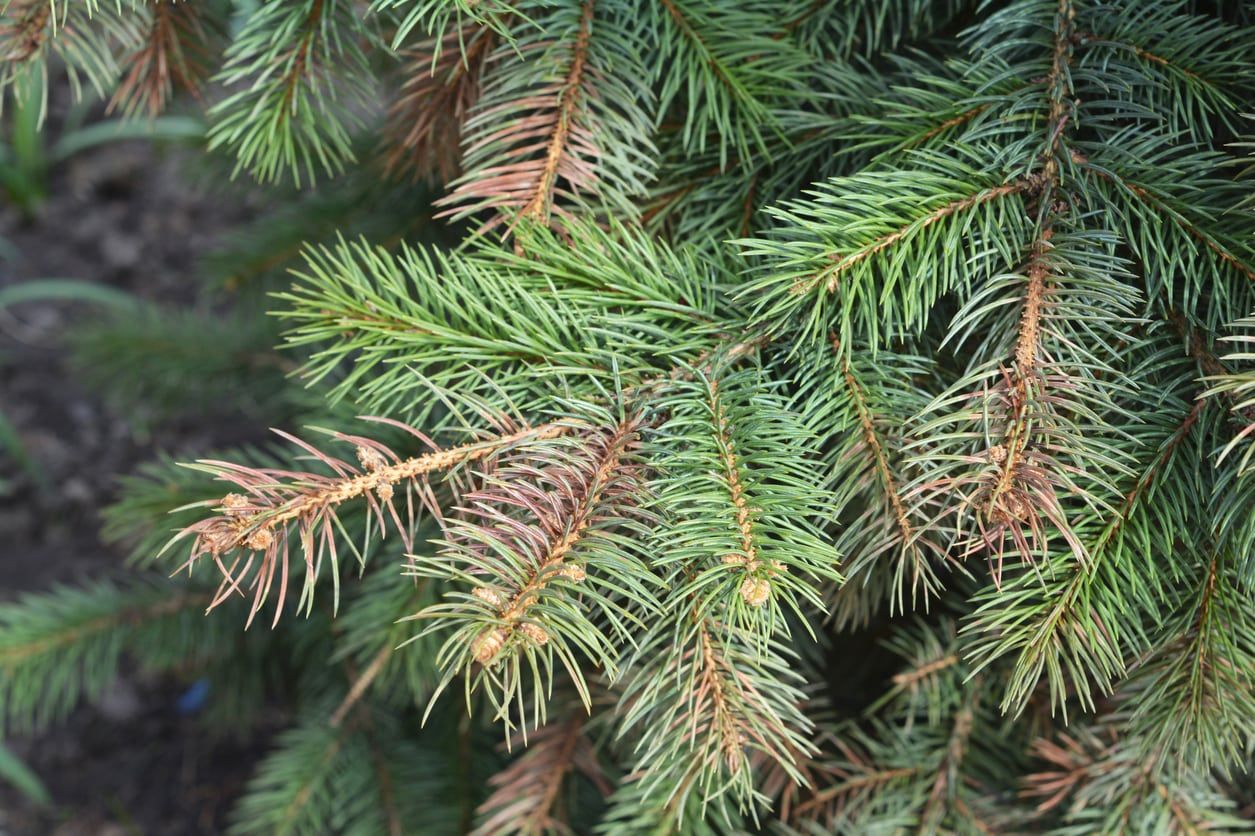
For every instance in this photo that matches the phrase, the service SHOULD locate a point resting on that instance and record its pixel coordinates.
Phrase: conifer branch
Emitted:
(442, 85)
(830, 276)
(872, 440)
(537, 207)
(1067, 626)
(527, 793)
(1148, 477)
(87, 37)
(1158, 204)
(939, 337)
(513, 612)
(545, 545)
(561, 129)
(361, 684)
(12, 655)
(942, 792)
(701, 700)
(945, 125)
(298, 69)
(1000, 506)
(754, 591)
(61, 646)
(24, 30)
(911, 679)
(260, 520)
(173, 55)
(1111, 789)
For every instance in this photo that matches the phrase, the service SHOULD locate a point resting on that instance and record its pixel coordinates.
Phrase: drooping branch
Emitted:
(1016, 487)
(558, 131)
(729, 729)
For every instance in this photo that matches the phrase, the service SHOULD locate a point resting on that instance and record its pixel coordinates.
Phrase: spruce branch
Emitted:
(892, 544)
(928, 753)
(844, 30)
(174, 54)
(1163, 204)
(537, 207)
(359, 778)
(830, 276)
(1187, 702)
(994, 327)
(561, 124)
(528, 793)
(582, 308)
(1238, 385)
(1073, 623)
(545, 544)
(1098, 782)
(1197, 66)
(88, 37)
(442, 84)
(371, 634)
(726, 67)
(437, 18)
(837, 260)
(702, 698)
(743, 519)
(734, 570)
(25, 30)
(1006, 502)
(59, 647)
(299, 69)
(259, 521)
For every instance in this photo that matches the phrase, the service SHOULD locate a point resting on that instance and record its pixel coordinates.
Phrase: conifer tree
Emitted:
(801, 417)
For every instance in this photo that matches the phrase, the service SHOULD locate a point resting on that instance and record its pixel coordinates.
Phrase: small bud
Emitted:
(535, 633)
(235, 504)
(733, 559)
(777, 566)
(997, 454)
(370, 458)
(220, 537)
(384, 491)
(486, 647)
(260, 539)
(489, 595)
(755, 591)
(573, 572)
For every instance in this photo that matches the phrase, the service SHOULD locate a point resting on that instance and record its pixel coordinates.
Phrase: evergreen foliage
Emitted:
(800, 417)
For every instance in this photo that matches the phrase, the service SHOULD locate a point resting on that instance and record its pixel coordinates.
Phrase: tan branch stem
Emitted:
(568, 98)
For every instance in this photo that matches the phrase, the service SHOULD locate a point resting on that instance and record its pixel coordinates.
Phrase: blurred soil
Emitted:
(129, 763)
